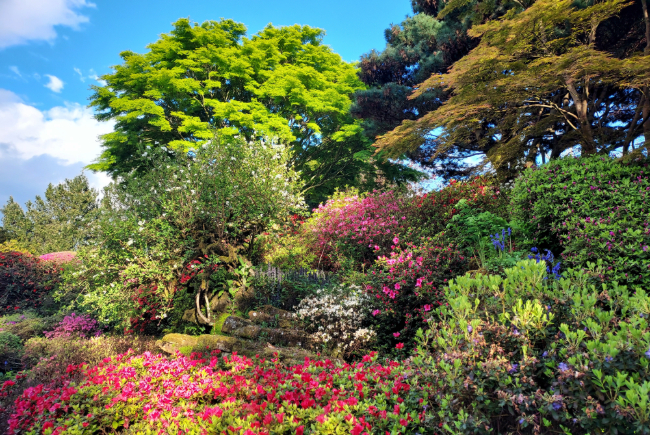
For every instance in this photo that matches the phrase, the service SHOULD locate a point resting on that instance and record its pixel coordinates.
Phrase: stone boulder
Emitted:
(172, 343)
(274, 316)
(244, 328)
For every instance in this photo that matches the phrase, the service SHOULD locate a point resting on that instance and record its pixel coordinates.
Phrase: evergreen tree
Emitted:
(59, 222)
(546, 78)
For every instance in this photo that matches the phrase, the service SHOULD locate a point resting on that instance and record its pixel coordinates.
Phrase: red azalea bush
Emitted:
(407, 285)
(26, 282)
(355, 227)
(211, 394)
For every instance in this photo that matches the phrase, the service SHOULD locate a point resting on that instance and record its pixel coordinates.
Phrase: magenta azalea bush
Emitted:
(355, 227)
(59, 257)
(73, 325)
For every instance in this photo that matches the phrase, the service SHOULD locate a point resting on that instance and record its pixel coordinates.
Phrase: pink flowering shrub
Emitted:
(205, 394)
(82, 326)
(407, 285)
(354, 227)
(59, 257)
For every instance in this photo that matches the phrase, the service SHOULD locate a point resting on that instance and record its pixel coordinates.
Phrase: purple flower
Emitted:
(513, 368)
(647, 354)
(545, 354)
(557, 406)
(609, 358)
(469, 328)
(564, 367)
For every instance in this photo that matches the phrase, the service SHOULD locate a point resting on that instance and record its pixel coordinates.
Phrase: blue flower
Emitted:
(564, 367)
(521, 421)
(545, 354)
(557, 406)
(609, 358)
(647, 354)
(534, 250)
(513, 368)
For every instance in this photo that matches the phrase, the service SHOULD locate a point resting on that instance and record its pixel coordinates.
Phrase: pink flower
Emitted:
(374, 313)
(427, 308)
(396, 240)
(397, 286)
(396, 334)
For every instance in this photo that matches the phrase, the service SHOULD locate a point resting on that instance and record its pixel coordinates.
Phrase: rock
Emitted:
(273, 316)
(171, 343)
(288, 337)
(233, 323)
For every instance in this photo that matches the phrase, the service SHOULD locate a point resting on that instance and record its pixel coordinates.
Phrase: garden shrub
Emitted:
(407, 284)
(26, 325)
(11, 347)
(428, 215)
(201, 209)
(47, 359)
(26, 283)
(286, 288)
(529, 353)
(349, 229)
(335, 319)
(75, 326)
(590, 209)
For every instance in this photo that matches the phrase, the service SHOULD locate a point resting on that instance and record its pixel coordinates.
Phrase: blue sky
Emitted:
(51, 51)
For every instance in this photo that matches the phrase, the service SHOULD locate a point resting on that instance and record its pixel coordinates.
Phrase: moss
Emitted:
(186, 350)
(216, 330)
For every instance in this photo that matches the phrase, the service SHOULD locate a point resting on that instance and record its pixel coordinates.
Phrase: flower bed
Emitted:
(214, 394)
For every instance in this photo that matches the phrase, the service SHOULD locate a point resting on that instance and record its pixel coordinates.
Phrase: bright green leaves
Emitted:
(280, 83)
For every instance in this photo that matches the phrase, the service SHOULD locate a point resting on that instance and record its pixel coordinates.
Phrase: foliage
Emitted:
(352, 227)
(589, 209)
(235, 394)
(407, 284)
(47, 360)
(14, 245)
(335, 317)
(288, 247)
(179, 222)
(281, 82)
(26, 283)
(551, 353)
(61, 221)
(74, 326)
(562, 84)
(285, 289)
(430, 214)
(11, 347)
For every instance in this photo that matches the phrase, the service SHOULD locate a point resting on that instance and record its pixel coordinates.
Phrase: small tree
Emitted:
(184, 216)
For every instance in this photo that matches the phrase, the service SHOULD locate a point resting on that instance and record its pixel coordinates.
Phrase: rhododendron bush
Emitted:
(406, 286)
(213, 394)
(354, 227)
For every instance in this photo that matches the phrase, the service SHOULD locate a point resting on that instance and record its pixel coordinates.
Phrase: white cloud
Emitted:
(48, 144)
(26, 20)
(55, 84)
(91, 75)
(14, 69)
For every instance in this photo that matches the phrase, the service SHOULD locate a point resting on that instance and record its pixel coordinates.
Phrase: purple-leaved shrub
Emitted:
(78, 326)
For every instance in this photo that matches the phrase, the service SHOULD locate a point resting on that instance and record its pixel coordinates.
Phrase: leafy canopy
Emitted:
(545, 78)
(281, 82)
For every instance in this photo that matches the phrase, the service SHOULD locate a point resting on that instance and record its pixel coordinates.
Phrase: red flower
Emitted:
(300, 430)
(399, 345)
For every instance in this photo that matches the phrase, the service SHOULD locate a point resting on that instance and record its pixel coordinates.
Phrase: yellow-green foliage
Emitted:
(14, 246)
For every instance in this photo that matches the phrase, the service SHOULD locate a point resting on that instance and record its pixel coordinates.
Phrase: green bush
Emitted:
(589, 209)
(170, 226)
(526, 353)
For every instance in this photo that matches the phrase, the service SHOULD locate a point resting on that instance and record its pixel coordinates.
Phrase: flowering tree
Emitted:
(184, 216)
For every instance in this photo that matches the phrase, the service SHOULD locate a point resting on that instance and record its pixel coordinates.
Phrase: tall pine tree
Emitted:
(546, 78)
